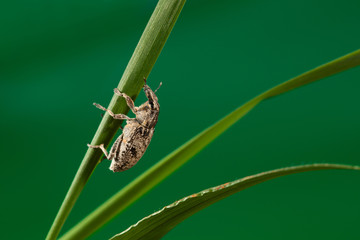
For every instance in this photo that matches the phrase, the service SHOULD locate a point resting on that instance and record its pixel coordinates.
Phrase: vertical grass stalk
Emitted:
(142, 61)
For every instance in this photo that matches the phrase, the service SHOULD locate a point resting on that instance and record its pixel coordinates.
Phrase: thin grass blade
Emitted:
(161, 222)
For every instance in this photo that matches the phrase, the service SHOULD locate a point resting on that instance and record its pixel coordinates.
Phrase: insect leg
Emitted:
(119, 116)
(128, 99)
(101, 146)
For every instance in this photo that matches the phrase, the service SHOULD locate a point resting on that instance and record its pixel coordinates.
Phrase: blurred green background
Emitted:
(58, 57)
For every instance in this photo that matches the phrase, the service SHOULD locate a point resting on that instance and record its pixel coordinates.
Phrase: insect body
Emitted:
(131, 145)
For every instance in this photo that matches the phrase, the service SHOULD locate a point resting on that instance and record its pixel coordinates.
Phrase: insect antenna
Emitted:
(158, 87)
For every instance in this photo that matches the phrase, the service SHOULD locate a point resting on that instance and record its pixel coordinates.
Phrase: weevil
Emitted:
(131, 145)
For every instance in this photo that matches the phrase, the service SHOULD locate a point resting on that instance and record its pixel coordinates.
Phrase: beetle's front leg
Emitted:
(128, 100)
(118, 116)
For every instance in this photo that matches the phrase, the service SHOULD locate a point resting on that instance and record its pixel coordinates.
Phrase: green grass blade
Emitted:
(143, 59)
(338, 65)
(177, 158)
(161, 222)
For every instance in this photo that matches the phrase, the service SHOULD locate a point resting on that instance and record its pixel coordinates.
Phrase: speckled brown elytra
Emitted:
(131, 145)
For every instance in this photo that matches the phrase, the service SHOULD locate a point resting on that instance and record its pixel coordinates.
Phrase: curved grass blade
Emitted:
(161, 222)
(143, 59)
(153, 176)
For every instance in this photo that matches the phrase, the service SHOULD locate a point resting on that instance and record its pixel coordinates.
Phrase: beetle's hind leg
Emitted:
(115, 149)
(101, 146)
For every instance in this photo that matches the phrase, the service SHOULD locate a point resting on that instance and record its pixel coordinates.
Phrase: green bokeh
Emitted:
(59, 57)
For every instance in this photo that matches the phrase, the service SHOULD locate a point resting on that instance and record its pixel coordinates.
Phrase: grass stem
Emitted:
(142, 61)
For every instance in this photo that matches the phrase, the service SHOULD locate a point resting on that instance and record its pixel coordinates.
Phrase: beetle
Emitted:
(131, 145)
